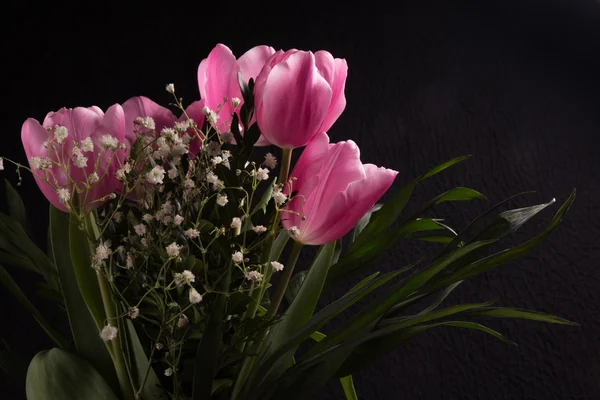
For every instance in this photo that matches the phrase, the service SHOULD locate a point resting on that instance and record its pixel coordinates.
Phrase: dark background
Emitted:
(515, 84)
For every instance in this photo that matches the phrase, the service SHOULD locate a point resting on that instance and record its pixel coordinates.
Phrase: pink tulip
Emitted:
(334, 190)
(299, 94)
(217, 79)
(76, 149)
(162, 117)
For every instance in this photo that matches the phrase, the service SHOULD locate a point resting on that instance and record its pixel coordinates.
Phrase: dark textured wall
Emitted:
(515, 84)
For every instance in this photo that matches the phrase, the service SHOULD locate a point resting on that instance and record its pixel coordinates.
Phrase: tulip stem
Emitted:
(110, 309)
(285, 279)
(286, 160)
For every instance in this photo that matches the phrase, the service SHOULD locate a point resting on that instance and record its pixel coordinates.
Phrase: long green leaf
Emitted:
(83, 327)
(16, 208)
(87, 278)
(301, 309)
(381, 343)
(348, 387)
(142, 368)
(391, 210)
(210, 345)
(12, 231)
(367, 318)
(58, 375)
(502, 312)
(13, 288)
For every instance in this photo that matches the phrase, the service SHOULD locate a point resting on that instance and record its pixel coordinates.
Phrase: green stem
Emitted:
(113, 347)
(286, 160)
(285, 279)
(273, 307)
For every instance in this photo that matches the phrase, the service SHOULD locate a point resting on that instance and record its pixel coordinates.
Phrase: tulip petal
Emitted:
(338, 99)
(194, 111)
(33, 135)
(141, 106)
(350, 205)
(252, 61)
(294, 101)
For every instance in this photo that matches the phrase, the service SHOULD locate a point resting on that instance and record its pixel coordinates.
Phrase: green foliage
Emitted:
(58, 375)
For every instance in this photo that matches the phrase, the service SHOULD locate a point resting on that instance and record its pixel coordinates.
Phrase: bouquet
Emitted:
(175, 236)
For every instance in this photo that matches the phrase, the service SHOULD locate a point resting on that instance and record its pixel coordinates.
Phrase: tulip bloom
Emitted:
(76, 151)
(218, 79)
(334, 191)
(161, 117)
(299, 94)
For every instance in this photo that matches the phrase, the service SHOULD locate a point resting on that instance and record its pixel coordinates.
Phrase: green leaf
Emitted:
(501, 312)
(13, 288)
(362, 223)
(348, 387)
(16, 208)
(294, 286)
(83, 326)
(13, 232)
(371, 315)
(278, 245)
(380, 343)
(219, 385)
(87, 278)
(302, 307)
(391, 210)
(13, 365)
(503, 257)
(209, 348)
(264, 200)
(14, 259)
(315, 323)
(58, 375)
(142, 368)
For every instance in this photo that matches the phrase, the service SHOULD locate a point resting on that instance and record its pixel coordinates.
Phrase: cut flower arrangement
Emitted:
(174, 238)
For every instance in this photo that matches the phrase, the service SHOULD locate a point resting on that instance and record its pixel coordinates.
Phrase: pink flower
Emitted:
(143, 107)
(334, 190)
(217, 79)
(299, 94)
(64, 151)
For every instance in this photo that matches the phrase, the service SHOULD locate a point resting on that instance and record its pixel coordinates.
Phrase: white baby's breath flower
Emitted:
(159, 346)
(183, 321)
(129, 261)
(184, 277)
(60, 133)
(277, 266)
(294, 231)
(140, 229)
(170, 88)
(1, 164)
(79, 160)
(108, 333)
(173, 250)
(206, 111)
(147, 218)
(168, 371)
(87, 144)
(216, 160)
(259, 229)
(189, 184)
(270, 161)
(262, 174)
(93, 178)
(166, 220)
(109, 142)
(64, 195)
(117, 216)
(235, 102)
(156, 175)
(236, 223)
(279, 197)
(222, 199)
(173, 172)
(148, 123)
(133, 313)
(167, 207)
(194, 296)
(178, 219)
(183, 125)
(254, 276)
(237, 257)
(35, 162)
(144, 242)
(227, 137)
(192, 233)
